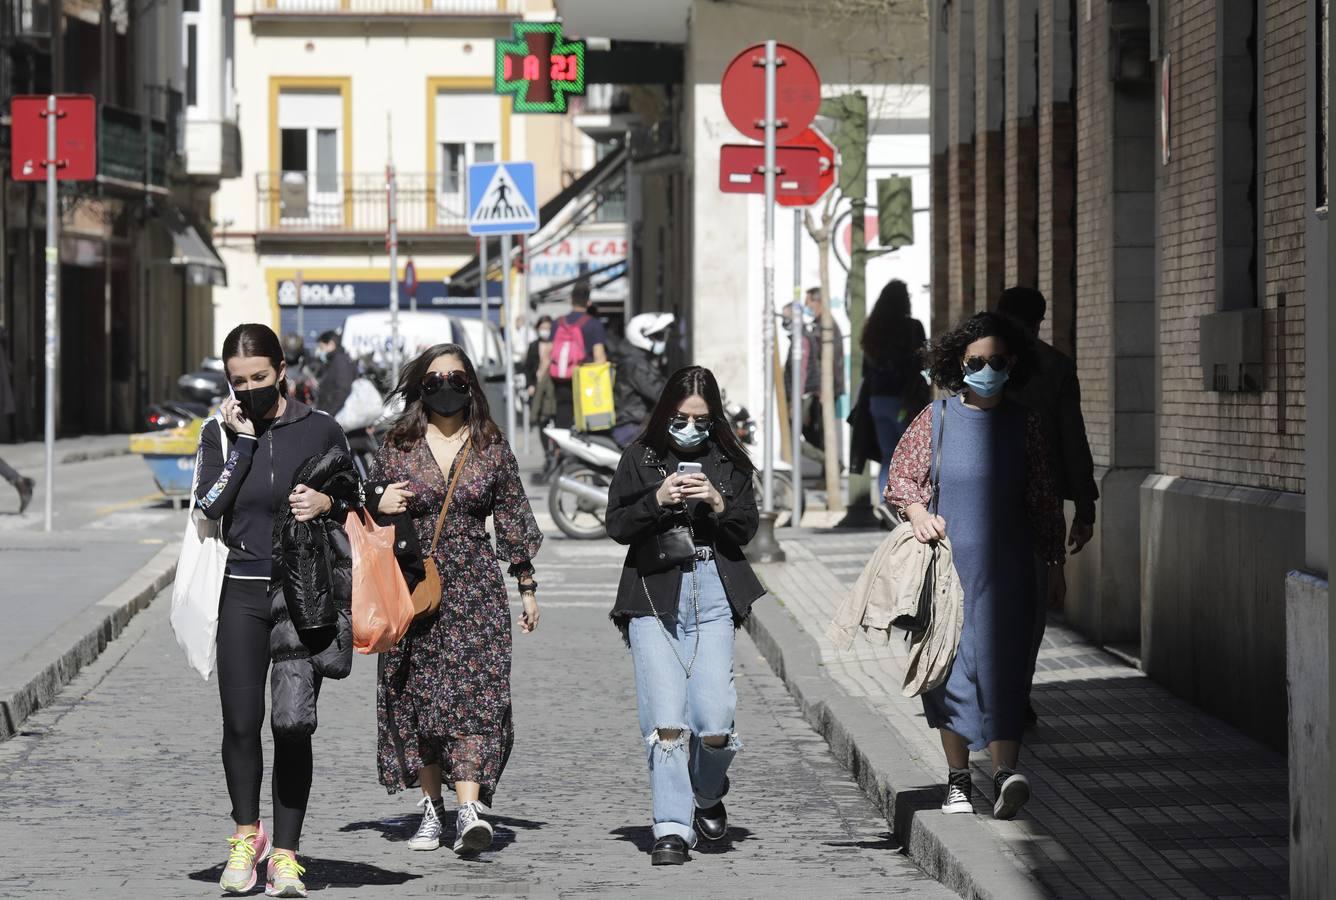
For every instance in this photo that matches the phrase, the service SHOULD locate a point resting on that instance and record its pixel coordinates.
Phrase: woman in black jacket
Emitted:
(247, 471)
(682, 499)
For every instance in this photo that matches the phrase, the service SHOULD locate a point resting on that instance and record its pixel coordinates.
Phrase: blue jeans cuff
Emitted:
(685, 832)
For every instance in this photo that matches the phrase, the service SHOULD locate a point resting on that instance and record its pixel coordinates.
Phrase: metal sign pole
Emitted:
(796, 374)
(484, 300)
(768, 254)
(509, 331)
(301, 310)
(396, 356)
(528, 311)
(52, 318)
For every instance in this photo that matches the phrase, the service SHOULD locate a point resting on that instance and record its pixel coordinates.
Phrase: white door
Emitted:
(311, 158)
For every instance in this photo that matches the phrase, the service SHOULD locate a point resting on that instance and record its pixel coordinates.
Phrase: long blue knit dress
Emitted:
(1000, 508)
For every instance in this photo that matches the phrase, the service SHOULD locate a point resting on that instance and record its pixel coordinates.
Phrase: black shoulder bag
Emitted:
(921, 620)
(660, 551)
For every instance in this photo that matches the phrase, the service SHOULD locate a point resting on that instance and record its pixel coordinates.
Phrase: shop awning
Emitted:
(191, 249)
(606, 172)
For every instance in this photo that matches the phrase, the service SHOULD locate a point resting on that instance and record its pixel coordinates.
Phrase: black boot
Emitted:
(712, 823)
(24, 487)
(669, 850)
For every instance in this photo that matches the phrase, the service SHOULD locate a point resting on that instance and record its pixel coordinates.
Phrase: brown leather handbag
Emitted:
(427, 595)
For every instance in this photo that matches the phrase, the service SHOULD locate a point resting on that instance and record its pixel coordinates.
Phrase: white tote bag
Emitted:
(199, 578)
(362, 408)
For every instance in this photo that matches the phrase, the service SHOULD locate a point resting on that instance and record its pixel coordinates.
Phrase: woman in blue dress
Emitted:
(998, 506)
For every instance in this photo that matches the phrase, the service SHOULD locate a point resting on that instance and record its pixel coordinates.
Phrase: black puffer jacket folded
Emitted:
(312, 577)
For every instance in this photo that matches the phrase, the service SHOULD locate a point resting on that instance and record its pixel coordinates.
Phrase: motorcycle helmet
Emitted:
(648, 331)
(294, 350)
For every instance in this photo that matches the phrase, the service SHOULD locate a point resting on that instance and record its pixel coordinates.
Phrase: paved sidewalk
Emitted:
(1137, 794)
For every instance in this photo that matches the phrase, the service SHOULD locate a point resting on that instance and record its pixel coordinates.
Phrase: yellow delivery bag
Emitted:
(592, 388)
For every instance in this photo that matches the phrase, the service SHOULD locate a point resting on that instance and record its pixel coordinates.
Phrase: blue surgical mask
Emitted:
(658, 348)
(987, 381)
(689, 436)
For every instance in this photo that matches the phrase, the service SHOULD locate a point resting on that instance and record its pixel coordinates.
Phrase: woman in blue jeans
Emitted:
(892, 386)
(682, 500)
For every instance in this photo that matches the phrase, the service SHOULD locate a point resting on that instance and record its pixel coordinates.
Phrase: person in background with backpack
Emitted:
(579, 338)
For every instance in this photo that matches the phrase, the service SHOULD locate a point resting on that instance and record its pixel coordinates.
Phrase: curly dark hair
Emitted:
(945, 354)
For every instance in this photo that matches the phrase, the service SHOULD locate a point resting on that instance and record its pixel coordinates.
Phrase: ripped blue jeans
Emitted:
(685, 772)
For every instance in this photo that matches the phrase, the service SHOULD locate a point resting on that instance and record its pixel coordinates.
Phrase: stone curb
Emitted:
(40, 675)
(79, 456)
(957, 851)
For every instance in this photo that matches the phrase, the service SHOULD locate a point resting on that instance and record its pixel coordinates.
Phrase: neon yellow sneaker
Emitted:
(248, 851)
(285, 877)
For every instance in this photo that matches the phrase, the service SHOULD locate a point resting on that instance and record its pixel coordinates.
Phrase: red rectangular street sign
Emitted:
(76, 138)
(741, 169)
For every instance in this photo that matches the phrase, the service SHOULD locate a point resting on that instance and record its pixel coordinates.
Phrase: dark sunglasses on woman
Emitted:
(997, 362)
(702, 423)
(434, 381)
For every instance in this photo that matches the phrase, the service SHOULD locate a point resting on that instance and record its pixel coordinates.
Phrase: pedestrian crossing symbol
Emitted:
(502, 198)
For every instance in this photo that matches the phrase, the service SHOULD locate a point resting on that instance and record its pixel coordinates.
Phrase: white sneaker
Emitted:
(1013, 790)
(959, 794)
(473, 833)
(428, 835)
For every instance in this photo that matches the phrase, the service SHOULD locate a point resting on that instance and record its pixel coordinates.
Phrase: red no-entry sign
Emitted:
(76, 138)
(742, 170)
(797, 92)
(828, 157)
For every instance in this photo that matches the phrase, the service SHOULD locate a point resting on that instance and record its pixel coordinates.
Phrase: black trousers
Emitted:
(244, 623)
(565, 393)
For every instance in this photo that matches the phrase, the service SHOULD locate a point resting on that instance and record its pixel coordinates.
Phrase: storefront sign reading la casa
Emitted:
(567, 259)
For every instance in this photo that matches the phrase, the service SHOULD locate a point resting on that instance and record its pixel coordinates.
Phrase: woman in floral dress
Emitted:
(443, 694)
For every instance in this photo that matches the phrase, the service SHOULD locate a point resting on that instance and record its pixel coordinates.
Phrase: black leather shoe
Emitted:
(669, 850)
(712, 823)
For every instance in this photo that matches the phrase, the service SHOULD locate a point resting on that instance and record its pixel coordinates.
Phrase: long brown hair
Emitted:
(411, 426)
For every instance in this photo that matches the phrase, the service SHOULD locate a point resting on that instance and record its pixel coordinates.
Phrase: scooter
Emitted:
(577, 495)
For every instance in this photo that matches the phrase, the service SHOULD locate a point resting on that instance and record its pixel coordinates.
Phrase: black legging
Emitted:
(244, 623)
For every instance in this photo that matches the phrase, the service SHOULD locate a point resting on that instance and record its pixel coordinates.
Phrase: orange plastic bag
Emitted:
(382, 606)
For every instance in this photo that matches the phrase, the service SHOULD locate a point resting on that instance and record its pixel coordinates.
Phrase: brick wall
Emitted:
(990, 191)
(960, 166)
(1022, 147)
(1232, 438)
(1094, 181)
(1056, 168)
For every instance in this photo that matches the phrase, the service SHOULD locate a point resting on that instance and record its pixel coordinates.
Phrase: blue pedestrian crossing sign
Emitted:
(502, 198)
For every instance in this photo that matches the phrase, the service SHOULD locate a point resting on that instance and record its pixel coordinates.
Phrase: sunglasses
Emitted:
(434, 381)
(997, 362)
(702, 423)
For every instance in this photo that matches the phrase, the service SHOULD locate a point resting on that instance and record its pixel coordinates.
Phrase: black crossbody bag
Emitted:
(664, 550)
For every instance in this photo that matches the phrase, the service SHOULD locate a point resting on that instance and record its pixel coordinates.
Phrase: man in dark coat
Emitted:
(1054, 392)
(7, 407)
(336, 381)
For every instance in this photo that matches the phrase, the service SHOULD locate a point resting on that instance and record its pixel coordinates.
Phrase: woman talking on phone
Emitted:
(682, 500)
(246, 468)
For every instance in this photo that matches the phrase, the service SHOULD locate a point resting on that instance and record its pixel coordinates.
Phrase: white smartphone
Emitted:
(233, 394)
(688, 468)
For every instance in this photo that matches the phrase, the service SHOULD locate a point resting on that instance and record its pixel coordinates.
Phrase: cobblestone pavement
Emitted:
(1137, 794)
(117, 788)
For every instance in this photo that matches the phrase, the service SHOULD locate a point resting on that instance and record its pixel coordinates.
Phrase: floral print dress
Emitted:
(443, 694)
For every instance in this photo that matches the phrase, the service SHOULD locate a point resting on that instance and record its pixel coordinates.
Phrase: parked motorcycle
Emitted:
(577, 495)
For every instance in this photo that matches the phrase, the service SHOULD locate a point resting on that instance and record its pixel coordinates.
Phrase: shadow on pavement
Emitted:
(329, 873)
(888, 842)
(643, 837)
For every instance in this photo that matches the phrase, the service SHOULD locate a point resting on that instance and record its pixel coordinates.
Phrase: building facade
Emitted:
(330, 94)
(136, 267)
(1159, 171)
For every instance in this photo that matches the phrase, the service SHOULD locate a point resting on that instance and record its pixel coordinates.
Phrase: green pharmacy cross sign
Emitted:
(539, 68)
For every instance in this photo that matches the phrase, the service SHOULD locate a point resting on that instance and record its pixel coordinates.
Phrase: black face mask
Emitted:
(446, 402)
(257, 402)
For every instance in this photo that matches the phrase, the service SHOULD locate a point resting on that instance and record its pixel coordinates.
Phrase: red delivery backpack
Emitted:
(568, 348)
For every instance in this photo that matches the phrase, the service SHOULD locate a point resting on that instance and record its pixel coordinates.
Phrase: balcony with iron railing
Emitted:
(356, 204)
(296, 9)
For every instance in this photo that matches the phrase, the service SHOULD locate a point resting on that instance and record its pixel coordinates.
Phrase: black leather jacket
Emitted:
(634, 512)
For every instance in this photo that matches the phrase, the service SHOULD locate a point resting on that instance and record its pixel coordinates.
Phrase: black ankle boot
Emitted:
(669, 850)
